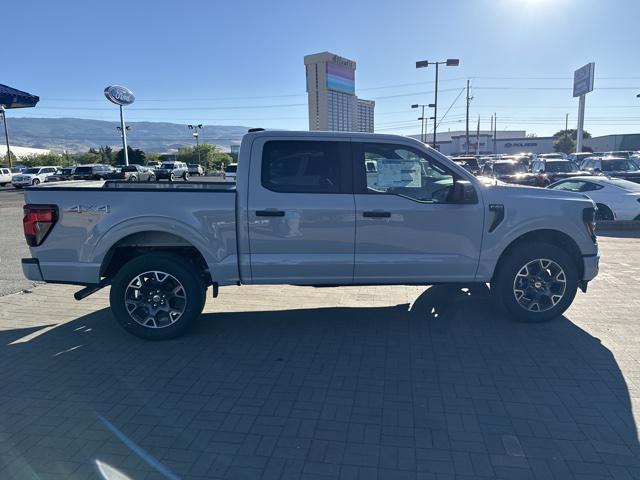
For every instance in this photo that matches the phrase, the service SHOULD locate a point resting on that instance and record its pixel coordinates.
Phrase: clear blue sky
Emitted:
(199, 61)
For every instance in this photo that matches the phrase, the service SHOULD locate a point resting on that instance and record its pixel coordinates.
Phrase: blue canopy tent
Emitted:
(13, 98)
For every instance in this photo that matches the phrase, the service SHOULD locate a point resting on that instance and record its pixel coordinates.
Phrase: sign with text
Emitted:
(583, 79)
(119, 95)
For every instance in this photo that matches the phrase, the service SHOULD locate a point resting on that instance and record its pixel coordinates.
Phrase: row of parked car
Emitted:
(611, 179)
(32, 176)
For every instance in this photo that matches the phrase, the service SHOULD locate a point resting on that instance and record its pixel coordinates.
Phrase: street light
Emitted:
(196, 135)
(450, 62)
(422, 118)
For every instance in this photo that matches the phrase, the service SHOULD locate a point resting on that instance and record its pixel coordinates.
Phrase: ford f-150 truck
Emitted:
(315, 209)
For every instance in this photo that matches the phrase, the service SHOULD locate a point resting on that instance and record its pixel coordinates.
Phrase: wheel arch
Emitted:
(152, 241)
(553, 237)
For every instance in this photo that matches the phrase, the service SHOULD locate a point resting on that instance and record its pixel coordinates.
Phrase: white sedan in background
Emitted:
(617, 199)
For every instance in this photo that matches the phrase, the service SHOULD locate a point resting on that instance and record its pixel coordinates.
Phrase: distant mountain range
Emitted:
(78, 134)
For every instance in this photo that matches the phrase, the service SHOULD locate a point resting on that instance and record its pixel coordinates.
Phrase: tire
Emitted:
(152, 178)
(603, 213)
(2, 184)
(172, 177)
(547, 265)
(132, 178)
(185, 177)
(35, 182)
(182, 284)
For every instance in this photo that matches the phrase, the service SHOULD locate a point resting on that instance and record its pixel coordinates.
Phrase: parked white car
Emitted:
(33, 176)
(5, 176)
(195, 170)
(617, 199)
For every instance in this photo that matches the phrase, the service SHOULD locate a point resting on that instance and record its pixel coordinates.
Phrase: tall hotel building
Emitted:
(333, 105)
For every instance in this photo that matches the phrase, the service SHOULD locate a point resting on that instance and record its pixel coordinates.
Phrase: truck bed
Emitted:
(95, 217)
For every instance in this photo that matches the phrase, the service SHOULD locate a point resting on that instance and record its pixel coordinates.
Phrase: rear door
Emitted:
(406, 228)
(301, 213)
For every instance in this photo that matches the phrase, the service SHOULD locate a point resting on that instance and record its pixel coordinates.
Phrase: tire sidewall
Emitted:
(176, 266)
(502, 287)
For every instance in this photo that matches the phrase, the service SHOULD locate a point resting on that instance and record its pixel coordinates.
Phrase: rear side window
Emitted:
(306, 167)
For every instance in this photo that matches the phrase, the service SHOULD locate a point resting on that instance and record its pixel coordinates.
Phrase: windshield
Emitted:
(509, 168)
(32, 171)
(167, 166)
(561, 167)
(231, 169)
(620, 165)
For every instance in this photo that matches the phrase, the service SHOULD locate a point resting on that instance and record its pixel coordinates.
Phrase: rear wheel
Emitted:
(157, 296)
(151, 178)
(185, 177)
(535, 282)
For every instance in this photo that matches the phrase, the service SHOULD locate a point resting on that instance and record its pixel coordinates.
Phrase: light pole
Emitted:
(422, 118)
(449, 62)
(196, 135)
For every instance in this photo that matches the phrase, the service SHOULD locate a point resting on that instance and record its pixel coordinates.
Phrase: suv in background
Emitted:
(230, 171)
(5, 176)
(61, 175)
(509, 171)
(133, 173)
(33, 176)
(196, 169)
(92, 172)
(172, 171)
(470, 164)
(552, 170)
(613, 167)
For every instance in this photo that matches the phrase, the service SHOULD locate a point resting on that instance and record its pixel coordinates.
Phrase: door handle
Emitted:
(376, 214)
(269, 213)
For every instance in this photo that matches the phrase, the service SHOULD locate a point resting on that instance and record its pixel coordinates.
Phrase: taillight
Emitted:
(37, 222)
(589, 219)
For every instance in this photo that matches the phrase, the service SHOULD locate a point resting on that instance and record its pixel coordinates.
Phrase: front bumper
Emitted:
(591, 264)
(31, 269)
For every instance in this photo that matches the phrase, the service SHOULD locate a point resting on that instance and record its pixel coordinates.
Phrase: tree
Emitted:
(45, 159)
(136, 156)
(564, 144)
(210, 156)
(572, 132)
(107, 155)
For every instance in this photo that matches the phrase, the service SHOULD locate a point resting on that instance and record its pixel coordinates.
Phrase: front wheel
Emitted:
(35, 182)
(157, 296)
(172, 177)
(535, 282)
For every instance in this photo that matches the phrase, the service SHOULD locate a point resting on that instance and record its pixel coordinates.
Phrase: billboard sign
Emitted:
(341, 78)
(119, 95)
(583, 79)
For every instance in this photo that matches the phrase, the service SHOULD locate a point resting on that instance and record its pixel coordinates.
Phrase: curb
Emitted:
(619, 225)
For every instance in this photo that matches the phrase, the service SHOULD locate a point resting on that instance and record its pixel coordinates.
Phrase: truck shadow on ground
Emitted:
(443, 386)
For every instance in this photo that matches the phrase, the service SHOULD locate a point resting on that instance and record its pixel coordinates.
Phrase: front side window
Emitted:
(304, 166)
(403, 171)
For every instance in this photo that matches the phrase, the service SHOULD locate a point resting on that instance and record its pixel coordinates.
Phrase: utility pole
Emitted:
(478, 137)
(6, 134)
(468, 100)
(566, 122)
(495, 128)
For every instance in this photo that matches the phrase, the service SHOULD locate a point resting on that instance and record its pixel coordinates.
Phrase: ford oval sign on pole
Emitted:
(582, 84)
(121, 96)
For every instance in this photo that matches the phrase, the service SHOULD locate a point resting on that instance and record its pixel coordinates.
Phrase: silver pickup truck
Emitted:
(316, 209)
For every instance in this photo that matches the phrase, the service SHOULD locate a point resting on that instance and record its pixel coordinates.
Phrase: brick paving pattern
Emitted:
(350, 383)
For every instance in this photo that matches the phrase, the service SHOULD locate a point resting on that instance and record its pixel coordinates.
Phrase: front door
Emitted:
(301, 211)
(407, 230)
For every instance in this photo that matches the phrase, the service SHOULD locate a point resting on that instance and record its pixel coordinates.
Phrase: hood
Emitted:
(513, 191)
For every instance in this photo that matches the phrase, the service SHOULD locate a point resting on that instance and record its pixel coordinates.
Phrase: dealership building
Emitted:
(516, 141)
(333, 104)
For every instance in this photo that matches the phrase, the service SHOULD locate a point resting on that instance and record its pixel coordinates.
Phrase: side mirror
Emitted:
(463, 192)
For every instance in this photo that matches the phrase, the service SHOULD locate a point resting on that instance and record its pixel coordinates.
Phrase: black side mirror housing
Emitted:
(463, 192)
